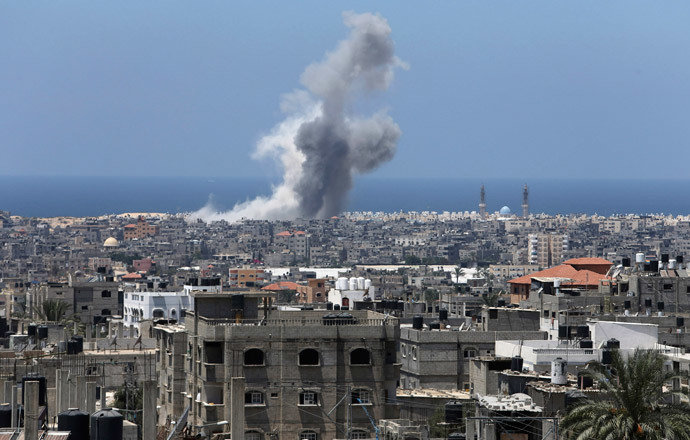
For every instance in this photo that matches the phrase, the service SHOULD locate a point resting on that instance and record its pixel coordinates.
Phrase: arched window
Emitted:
(358, 434)
(253, 356)
(173, 313)
(308, 398)
(360, 356)
(308, 435)
(346, 302)
(158, 313)
(308, 356)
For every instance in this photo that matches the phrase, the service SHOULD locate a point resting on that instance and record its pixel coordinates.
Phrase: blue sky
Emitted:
(494, 89)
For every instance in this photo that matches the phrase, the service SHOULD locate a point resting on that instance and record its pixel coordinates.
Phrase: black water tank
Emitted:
(625, 262)
(586, 343)
(237, 302)
(418, 322)
(501, 302)
(647, 267)
(680, 321)
(42, 387)
(5, 415)
(72, 347)
(660, 305)
(400, 305)
(679, 259)
(79, 339)
(329, 306)
(654, 266)
(106, 424)
(516, 363)
(664, 258)
(430, 309)
(613, 343)
(435, 325)
(454, 412)
(443, 315)
(582, 331)
(648, 302)
(42, 332)
(562, 331)
(76, 422)
(31, 330)
(329, 319)
(606, 357)
(626, 304)
(336, 306)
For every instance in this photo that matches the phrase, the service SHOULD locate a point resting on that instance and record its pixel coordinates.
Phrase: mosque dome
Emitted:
(111, 242)
(505, 211)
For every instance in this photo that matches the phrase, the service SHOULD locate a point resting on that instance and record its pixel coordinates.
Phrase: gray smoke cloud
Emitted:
(319, 145)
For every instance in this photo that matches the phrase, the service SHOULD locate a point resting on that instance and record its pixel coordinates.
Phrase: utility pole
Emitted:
(349, 413)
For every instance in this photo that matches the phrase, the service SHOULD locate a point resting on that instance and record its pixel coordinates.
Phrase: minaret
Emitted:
(482, 203)
(525, 202)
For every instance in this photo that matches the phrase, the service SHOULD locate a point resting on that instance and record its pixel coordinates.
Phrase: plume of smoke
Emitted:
(318, 144)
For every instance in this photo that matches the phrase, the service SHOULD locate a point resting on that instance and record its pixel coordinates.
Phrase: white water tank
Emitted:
(360, 283)
(353, 283)
(367, 283)
(559, 376)
(341, 284)
(639, 258)
(672, 264)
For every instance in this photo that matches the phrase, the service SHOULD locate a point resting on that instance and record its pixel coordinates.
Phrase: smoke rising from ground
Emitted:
(319, 145)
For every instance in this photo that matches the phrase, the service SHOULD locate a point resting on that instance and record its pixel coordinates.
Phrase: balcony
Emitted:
(213, 372)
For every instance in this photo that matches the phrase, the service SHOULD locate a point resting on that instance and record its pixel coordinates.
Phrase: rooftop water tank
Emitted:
(353, 283)
(5, 415)
(106, 424)
(342, 283)
(31, 330)
(418, 322)
(558, 371)
(367, 283)
(613, 343)
(453, 412)
(672, 264)
(516, 363)
(639, 258)
(360, 283)
(76, 422)
(42, 332)
(443, 315)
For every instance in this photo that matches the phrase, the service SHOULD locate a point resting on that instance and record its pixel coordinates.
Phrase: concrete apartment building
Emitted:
(247, 277)
(141, 229)
(314, 292)
(440, 359)
(296, 366)
(92, 301)
(546, 249)
(296, 242)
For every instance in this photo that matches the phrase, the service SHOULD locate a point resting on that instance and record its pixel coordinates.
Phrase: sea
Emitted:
(51, 196)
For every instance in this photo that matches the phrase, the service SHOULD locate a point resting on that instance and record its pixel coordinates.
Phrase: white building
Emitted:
(143, 306)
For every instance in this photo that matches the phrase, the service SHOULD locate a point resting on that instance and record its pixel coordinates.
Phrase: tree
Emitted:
(52, 310)
(636, 404)
(491, 299)
(412, 259)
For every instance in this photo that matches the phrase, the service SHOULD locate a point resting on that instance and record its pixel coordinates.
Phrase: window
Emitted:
(403, 349)
(105, 294)
(308, 398)
(360, 397)
(308, 435)
(308, 356)
(469, 353)
(253, 398)
(413, 351)
(105, 312)
(253, 356)
(214, 352)
(252, 435)
(359, 434)
(85, 307)
(360, 356)
(668, 286)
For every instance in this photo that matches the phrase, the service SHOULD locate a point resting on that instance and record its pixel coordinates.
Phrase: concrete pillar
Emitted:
(31, 410)
(150, 421)
(81, 393)
(13, 402)
(63, 394)
(120, 330)
(103, 397)
(90, 397)
(73, 401)
(7, 391)
(58, 391)
(237, 417)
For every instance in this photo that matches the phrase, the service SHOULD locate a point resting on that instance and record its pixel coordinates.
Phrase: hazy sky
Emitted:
(494, 89)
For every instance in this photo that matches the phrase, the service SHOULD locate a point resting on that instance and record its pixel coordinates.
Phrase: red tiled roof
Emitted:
(130, 226)
(300, 232)
(283, 234)
(131, 276)
(282, 285)
(578, 277)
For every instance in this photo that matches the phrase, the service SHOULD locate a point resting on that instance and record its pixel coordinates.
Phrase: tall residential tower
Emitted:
(482, 203)
(525, 202)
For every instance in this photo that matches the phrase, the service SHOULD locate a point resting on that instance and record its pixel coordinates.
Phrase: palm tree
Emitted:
(635, 404)
(52, 310)
(491, 299)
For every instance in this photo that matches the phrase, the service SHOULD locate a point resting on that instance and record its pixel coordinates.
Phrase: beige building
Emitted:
(546, 249)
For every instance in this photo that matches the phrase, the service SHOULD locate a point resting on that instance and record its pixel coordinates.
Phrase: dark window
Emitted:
(493, 314)
(668, 286)
(105, 312)
(360, 356)
(214, 352)
(105, 294)
(253, 398)
(253, 356)
(687, 289)
(309, 356)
